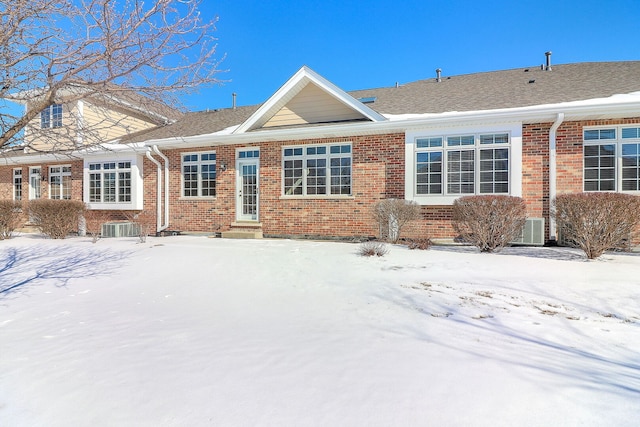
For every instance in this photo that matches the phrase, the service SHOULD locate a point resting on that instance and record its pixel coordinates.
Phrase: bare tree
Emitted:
(123, 52)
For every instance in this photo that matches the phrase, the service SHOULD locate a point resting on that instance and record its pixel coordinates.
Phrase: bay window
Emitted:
(110, 182)
(114, 182)
(462, 164)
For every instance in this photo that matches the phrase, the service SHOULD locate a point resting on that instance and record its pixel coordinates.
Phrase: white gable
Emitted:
(308, 98)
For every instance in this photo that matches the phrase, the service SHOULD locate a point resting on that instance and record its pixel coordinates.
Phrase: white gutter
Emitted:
(553, 173)
(7, 159)
(620, 106)
(158, 192)
(166, 186)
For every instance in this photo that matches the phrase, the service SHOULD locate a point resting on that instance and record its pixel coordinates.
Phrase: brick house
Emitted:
(313, 159)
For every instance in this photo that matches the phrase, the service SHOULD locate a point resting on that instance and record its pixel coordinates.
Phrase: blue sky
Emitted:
(375, 43)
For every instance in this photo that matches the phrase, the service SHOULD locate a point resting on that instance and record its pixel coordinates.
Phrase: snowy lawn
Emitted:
(191, 331)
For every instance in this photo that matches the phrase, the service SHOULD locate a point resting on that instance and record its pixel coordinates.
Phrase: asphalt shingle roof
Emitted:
(520, 87)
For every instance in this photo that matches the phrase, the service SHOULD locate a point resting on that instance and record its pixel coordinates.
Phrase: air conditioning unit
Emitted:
(120, 229)
(532, 233)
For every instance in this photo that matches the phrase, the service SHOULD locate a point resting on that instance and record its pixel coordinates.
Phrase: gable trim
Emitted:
(292, 87)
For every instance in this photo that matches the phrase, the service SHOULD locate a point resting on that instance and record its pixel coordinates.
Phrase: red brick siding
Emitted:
(377, 173)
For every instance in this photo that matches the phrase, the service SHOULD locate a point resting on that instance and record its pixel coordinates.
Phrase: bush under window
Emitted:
(56, 218)
(489, 222)
(595, 222)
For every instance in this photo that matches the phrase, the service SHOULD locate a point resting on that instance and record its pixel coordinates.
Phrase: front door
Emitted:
(247, 189)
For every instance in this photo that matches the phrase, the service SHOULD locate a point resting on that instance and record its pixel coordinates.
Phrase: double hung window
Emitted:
(462, 164)
(60, 182)
(612, 159)
(317, 170)
(51, 117)
(199, 174)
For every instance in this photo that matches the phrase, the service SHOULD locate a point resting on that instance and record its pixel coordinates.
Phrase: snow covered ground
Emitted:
(191, 331)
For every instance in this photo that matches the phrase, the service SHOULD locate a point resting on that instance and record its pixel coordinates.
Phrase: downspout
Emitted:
(553, 173)
(166, 186)
(158, 191)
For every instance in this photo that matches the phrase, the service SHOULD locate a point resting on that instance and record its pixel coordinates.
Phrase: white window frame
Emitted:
(61, 172)
(199, 163)
(121, 171)
(17, 181)
(514, 130)
(310, 153)
(51, 117)
(135, 169)
(618, 139)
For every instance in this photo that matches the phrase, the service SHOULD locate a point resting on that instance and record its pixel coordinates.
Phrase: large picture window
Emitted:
(462, 164)
(110, 182)
(199, 174)
(611, 159)
(317, 170)
(60, 182)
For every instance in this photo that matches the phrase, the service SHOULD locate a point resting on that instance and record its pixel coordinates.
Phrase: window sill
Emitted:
(128, 206)
(447, 200)
(317, 197)
(198, 198)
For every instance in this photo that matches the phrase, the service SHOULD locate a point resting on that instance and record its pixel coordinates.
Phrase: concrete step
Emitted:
(244, 230)
(28, 229)
(242, 234)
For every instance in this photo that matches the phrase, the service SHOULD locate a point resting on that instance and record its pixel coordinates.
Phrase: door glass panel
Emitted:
(249, 191)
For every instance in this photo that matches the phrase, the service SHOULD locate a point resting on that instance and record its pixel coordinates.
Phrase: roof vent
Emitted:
(438, 73)
(368, 99)
(233, 102)
(548, 66)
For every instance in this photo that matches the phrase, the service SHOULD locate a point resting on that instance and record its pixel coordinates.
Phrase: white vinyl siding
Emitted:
(312, 105)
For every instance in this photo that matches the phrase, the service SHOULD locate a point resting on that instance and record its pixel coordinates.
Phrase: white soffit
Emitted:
(292, 87)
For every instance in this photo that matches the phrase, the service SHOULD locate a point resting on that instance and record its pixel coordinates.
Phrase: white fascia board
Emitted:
(94, 151)
(292, 87)
(621, 106)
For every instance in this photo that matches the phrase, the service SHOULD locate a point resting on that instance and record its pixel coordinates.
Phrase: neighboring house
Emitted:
(49, 163)
(313, 159)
